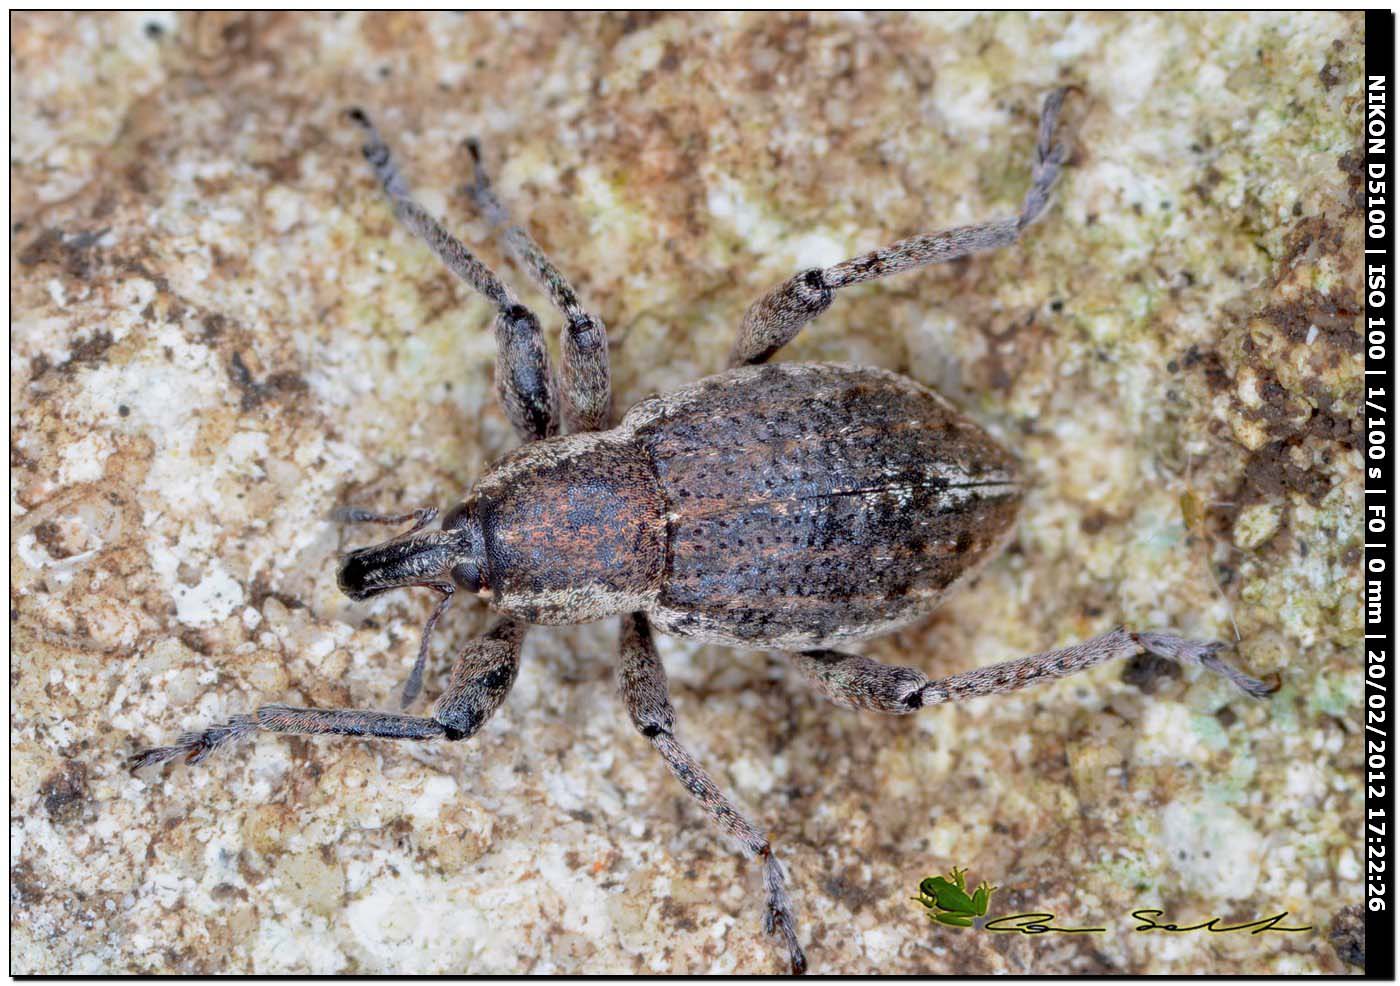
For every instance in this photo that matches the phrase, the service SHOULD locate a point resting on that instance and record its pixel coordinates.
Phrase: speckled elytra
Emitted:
(793, 507)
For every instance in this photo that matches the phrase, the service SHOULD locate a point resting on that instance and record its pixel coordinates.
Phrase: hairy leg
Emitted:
(524, 379)
(643, 684)
(773, 320)
(421, 517)
(414, 684)
(857, 682)
(481, 679)
(587, 387)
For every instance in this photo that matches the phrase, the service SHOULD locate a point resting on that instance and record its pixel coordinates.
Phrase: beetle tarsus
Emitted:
(195, 746)
(778, 919)
(1050, 155)
(1206, 653)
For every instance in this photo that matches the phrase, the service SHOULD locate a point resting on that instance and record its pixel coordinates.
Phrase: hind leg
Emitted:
(857, 682)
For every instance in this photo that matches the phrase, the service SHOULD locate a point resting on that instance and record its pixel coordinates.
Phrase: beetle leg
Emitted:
(414, 684)
(421, 517)
(773, 320)
(524, 379)
(195, 746)
(583, 342)
(860, 683)
(480, 681)
(643, 684)
(856, 682)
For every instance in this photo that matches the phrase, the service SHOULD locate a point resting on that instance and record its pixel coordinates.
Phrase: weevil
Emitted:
(794, 507)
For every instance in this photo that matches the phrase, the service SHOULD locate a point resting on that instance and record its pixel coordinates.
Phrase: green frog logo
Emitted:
(948, 901)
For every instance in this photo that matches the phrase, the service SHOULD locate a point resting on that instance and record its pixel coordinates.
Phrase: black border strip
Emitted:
(1378, 413)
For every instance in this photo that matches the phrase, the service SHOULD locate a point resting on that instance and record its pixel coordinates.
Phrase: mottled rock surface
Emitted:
(219, 333)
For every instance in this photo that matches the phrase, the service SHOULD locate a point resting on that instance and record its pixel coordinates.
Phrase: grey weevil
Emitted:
(793, 507)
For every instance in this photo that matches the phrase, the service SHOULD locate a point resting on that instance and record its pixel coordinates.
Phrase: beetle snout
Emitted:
(359, 577)
(416, 559)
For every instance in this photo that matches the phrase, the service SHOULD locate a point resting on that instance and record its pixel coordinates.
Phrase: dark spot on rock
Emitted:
(1226, 717)
(855, 895)
(254, 393)
(89, 352)
(1334, 315)
(65, 792)
(139, 269)
(1210, 364)
(677, 916)
(214, 325)
(1348, 935)
(38, 366)
(1094, 521)
(1329, 75)
(1204, 188)
(48, 535)
(1145, 671)
(195, 641)
(1270, 473)
(260, 591)
(76, 254)
(25, 887)
(123, 410)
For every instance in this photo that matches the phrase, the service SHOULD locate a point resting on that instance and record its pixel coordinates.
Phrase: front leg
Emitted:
(583, 344)
(773, 320)
(643, 684)
(481, 679)
(524, 378)
(857, 682)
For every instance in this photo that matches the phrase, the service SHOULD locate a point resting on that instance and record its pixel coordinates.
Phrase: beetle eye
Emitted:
(467, 576)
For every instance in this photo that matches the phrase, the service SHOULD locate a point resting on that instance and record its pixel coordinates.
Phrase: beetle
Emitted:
(793, 507)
